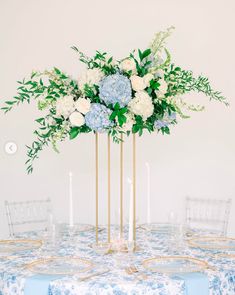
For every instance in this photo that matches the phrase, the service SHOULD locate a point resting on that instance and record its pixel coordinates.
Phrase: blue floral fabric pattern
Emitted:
(13, 273)
(115, 88)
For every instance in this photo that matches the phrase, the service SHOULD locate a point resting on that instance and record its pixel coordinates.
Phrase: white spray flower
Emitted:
(64, 106)
(90, 77)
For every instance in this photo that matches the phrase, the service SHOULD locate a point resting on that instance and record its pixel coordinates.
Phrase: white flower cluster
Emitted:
(141, 105)
(74, 110)
(140, 83)
(127, 65)
(90, 77)
(65, 106)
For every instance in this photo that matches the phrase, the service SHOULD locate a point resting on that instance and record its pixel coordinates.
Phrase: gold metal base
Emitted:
(109, 186)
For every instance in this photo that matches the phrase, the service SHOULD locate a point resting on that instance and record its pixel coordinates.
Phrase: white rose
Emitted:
(127, 65)
(64, 106)
(90, 77)
(141, 105)
(83, 105)
(138, 83)
(162, 88)
(148, 78)
(76, 119)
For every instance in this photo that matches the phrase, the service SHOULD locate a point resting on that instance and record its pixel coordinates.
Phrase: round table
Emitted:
(13, 273)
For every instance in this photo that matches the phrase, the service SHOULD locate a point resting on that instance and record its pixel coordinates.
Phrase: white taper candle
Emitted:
(130, 235)
(71, 218)
(148, 193)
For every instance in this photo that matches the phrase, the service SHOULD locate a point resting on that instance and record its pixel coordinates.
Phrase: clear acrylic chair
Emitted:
(208, 215)
(27, 216)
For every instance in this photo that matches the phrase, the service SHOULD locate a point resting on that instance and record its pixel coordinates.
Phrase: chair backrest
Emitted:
(27, 216)
(208, 214)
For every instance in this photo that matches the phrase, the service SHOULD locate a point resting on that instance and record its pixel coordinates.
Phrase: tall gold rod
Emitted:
(121, 187)
(97, 184)
(134, 187)
(109, 191)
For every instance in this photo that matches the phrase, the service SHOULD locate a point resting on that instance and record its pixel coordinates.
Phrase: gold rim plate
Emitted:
(213, 243)
(12, 246)
(175, 264)
(60, 266)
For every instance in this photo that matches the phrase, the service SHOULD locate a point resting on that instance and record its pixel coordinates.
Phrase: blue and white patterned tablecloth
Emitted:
(116, 281)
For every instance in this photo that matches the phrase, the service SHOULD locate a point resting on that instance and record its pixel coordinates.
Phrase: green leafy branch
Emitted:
(116, 135)
(100, 60)
(82, 57)
(26, 90)
(202, 84)
(49, 85)
(182, 81)
(159, 41)
(119, 113)
(51, 130)
(74, 131)
(143, 63)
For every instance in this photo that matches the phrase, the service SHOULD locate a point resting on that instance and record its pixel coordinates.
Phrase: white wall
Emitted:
(198, 159)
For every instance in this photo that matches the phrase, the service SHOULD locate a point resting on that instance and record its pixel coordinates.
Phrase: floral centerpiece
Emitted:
(140, 92)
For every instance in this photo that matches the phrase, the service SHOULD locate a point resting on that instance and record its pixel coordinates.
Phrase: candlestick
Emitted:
(148, 193)
(131, 217)
(71, 220)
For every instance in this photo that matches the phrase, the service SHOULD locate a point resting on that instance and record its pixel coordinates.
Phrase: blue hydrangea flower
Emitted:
(98, 117)
(166, 121)
(115, 88)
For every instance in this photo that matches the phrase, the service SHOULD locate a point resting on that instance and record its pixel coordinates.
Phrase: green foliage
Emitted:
(143, 55)
(74, 131)
(181, 81)
(116, 135)
(101, 60)
(92, 93)
(119, 113)
(50, 131)
(47, 85)
(143, 63)
(138, 126)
